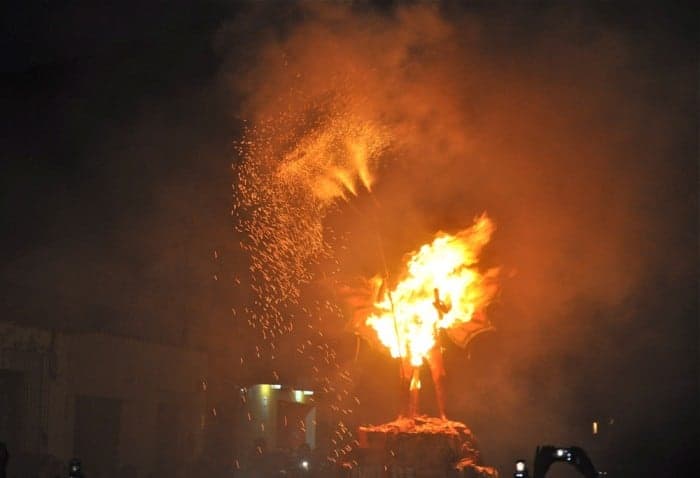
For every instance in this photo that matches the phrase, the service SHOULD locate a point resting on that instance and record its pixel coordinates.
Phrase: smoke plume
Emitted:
(554, 127)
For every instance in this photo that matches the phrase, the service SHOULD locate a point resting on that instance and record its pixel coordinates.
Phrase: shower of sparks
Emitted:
(286, 185)
(293, 171)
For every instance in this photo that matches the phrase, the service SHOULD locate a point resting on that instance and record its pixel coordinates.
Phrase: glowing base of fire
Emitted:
(428, 447)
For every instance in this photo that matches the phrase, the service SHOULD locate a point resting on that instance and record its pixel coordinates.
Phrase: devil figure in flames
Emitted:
(441, 289)
(410, 373)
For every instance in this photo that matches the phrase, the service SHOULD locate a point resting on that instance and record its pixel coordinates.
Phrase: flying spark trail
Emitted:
(293, 171)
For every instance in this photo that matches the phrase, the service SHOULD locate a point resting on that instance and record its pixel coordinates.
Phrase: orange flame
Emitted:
(408, 317)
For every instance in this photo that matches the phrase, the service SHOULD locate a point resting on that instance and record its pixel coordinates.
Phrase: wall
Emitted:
(143, 376)
(28, 351)
(60, 367)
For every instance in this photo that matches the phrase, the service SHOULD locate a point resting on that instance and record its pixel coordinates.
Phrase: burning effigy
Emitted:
(288, 182)
(440, 289)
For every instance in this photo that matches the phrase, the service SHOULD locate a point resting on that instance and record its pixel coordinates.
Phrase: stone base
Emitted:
(421, 447)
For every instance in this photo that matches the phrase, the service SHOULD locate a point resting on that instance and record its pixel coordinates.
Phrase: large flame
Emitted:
(440, 289)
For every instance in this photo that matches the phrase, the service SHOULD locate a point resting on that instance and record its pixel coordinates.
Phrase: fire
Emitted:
(335, 160)
(440, 289)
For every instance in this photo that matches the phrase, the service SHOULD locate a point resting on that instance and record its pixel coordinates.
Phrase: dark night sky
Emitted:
(116, 144)
(107, 110)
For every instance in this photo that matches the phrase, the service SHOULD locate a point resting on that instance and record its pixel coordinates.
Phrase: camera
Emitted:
(546, 455)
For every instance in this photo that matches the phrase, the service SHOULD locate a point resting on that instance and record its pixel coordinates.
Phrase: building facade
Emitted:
(110, 401)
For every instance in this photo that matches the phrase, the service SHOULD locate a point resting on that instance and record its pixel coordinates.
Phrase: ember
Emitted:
(296, 168)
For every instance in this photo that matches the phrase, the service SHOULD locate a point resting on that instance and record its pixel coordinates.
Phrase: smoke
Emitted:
(551, 123)
(520, 135)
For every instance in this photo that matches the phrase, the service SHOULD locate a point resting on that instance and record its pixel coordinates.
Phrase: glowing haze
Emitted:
(408, 319)
(544, 118)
